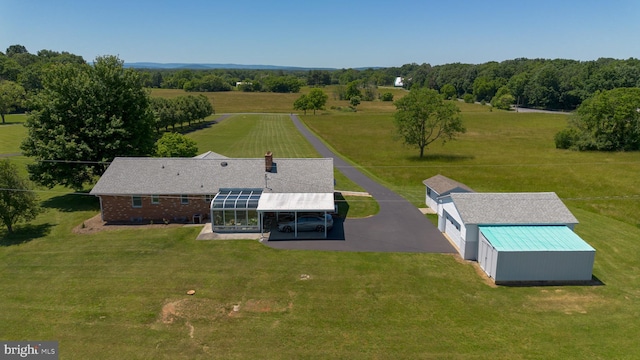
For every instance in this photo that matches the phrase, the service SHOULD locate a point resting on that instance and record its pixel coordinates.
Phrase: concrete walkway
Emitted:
(398, 227)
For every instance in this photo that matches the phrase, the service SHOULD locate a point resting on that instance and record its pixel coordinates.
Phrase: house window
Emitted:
(208, 198)
(136, 201)
(184, 199)
(155, 199)
(428, 191)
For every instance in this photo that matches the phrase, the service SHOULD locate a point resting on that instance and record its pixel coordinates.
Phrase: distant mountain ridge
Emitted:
(153, 65)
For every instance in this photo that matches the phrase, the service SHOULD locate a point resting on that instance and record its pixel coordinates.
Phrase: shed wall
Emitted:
(544, 266)
(431, 198)
(470, 239)
(487, 256)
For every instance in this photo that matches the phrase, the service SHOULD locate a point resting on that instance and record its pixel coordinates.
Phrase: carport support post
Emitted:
(325, 224)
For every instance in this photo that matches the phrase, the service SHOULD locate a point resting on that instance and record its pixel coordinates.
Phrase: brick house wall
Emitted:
(120, 209)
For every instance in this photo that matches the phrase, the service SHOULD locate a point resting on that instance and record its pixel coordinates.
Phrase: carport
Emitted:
(295, 203)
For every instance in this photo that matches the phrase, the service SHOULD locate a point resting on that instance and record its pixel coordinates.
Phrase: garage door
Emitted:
(452, 228)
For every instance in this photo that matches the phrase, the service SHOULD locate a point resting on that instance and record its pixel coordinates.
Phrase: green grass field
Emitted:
(121, 294)
(11, 134)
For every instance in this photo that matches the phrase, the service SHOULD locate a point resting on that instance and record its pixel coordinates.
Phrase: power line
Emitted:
(399, 166)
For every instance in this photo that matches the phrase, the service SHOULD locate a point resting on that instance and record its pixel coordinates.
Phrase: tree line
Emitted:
(561, 84)
(179, 111)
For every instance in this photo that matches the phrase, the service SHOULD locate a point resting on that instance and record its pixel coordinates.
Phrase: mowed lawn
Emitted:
(11, 134)
(122, 294)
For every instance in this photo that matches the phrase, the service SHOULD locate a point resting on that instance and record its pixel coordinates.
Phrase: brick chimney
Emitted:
(268, 161)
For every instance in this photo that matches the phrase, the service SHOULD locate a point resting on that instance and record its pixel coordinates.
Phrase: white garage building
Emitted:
(517, 237)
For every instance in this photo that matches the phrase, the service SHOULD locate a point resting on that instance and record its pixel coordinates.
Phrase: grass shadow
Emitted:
(24, 234)
(442, 157)
(81, 201)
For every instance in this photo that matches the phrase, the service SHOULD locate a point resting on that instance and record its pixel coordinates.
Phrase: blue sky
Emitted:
(325, 33)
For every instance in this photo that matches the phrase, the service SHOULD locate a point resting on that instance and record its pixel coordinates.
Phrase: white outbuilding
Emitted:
(438, 187)
(517, 237)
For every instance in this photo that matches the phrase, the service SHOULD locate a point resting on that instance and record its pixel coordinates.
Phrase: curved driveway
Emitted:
(398, 227)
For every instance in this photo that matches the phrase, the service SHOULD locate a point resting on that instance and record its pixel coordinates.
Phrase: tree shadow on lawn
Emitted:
(441, 157)
(24, 233)
(80, 201)
(198, 126)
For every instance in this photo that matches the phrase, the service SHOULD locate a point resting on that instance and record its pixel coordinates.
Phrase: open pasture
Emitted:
(121, 294)
(501, 151)
(263, 102)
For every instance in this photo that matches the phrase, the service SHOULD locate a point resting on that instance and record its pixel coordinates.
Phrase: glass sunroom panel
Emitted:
(229, 218)
(252, 217)
(218, 218)
(241, 217)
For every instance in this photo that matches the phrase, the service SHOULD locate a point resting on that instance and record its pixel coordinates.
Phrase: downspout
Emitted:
(211, 213)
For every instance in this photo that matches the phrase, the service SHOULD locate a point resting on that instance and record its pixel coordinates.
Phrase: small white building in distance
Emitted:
(398, 82)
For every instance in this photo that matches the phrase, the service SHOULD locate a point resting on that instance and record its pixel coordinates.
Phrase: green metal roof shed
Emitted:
(534, 253)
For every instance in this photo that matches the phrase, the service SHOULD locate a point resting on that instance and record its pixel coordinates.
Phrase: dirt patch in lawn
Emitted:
(565, 301)
(95, 224)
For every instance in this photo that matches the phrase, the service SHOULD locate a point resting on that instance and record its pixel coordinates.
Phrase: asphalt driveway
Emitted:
(398, 227)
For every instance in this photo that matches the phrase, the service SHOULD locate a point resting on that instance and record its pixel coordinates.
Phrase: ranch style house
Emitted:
(233, 193)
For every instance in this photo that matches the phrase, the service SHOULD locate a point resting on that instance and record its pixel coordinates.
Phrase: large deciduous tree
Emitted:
(302, 103)
(607, 121)
(11, 96)
(317, 99)
(17, 201)
(83, 118)
(423, 117)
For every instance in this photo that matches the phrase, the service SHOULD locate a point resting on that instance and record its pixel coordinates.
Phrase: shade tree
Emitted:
(12, 96)
(172, 144)
(85, 116)
(423, 117)
(607, 121)
(17, 200)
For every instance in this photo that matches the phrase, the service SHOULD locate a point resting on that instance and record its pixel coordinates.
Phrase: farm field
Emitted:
(121, 294)
(237, 101)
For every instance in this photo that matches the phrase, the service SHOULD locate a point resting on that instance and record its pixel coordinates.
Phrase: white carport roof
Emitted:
(296, 202)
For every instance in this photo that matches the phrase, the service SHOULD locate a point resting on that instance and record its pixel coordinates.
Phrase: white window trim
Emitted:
(155, 199)
(133, 201)
(184, 199)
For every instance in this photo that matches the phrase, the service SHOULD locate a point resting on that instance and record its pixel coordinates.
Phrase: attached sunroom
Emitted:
(236, 210)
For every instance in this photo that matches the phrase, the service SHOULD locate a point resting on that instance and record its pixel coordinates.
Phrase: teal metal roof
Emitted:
(534, 238)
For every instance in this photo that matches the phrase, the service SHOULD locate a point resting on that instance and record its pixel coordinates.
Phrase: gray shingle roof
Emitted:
(512, 208)
(202, 176)
(210, 155)
(443, 185)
